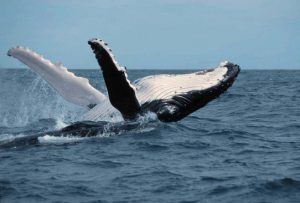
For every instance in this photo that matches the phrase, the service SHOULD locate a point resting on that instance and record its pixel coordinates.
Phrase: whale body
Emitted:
(171, 97)
(77, 129)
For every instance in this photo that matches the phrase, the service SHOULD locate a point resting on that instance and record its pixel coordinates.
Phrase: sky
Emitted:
(162, 34)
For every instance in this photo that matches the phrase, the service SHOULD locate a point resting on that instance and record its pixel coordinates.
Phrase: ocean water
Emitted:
(242, 147)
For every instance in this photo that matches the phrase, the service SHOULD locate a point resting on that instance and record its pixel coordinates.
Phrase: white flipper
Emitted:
(74, 89)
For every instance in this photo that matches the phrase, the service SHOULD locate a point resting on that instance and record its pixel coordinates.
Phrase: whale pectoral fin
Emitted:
(120, 91)
(172, 97)
(74, 89)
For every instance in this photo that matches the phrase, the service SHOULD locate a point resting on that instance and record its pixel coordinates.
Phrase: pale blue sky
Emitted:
(182, 34)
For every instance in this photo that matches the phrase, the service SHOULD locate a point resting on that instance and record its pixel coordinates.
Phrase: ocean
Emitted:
(242, 147)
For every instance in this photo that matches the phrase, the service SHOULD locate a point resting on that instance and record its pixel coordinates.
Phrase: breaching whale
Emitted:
(171, 97)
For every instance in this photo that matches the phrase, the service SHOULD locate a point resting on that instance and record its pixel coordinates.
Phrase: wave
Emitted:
(193, 145)
(146, 146)
(282, 185)
(6, 188)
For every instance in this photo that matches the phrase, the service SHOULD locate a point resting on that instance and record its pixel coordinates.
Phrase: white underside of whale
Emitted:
(77, 90)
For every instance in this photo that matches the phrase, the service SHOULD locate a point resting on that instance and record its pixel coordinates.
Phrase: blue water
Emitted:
(242, 147)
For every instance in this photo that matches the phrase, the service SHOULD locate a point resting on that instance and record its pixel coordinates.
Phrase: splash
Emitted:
(5, 138)
(27, 98)
(59, 124)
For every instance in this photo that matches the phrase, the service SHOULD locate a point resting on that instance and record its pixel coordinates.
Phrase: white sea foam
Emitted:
(147, 117)
(145, 130)
(48, 139)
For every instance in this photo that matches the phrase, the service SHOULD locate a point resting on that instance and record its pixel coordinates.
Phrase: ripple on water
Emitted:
(146, 146)
(6, 188)
(197, 145)
(220, 190)
(103, 164)
(277, 190)
(282, 185)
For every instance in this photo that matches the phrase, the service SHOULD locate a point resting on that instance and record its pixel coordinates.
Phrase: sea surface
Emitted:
(242, 147)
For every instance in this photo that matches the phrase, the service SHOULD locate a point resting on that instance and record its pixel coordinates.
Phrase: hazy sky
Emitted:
(156, 33)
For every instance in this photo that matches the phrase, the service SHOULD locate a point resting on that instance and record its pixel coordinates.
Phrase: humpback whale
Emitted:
(171, 97)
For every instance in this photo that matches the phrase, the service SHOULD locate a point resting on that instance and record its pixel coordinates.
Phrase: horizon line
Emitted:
(146, 68)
